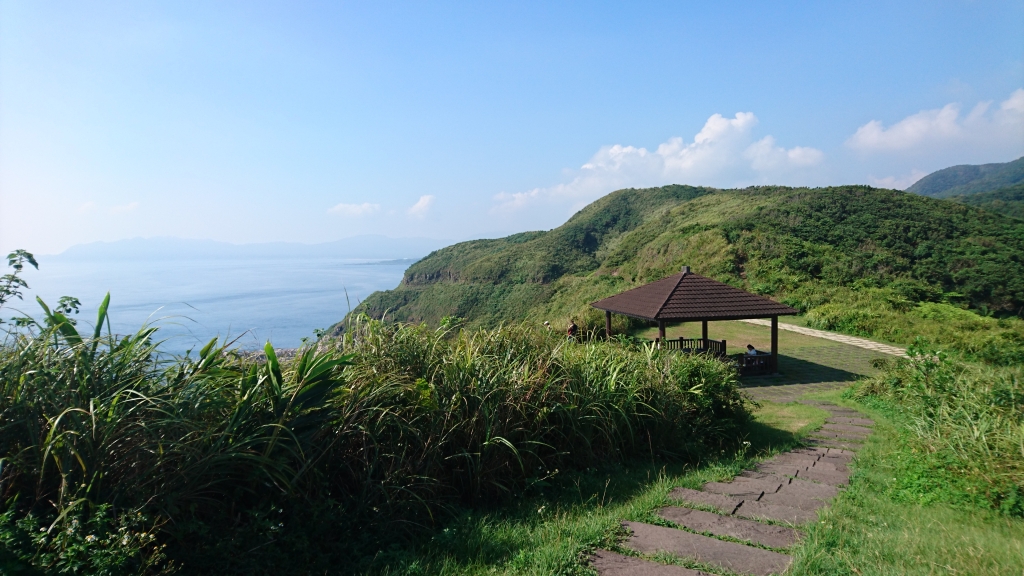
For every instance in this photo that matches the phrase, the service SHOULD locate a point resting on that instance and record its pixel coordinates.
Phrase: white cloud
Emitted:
(87, 206)
(898, 182)
(354, 210)
(764, 155)
(928, 130)
(420, 208)
(129, 207)
(723, 153)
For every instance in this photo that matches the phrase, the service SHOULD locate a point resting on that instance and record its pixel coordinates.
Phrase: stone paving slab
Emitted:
(761, 477)
(835, 443)
(848, 420)
(835, 465)
(754, 475)
(845, 413)
(778, 512)
(851, 436)
(756, 532)
(737, 489)
(725, 504)
(794, 499)
(846, 428)
(825, 476)
(744, 486)
(780, 469)
(797, 460)
(812, 489)
(827, 406)
(810, 450)
(647, 538)
(796, 454)
(827, 454)
(609, 563)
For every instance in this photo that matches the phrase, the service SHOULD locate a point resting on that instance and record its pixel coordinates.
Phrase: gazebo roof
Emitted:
(687, 296)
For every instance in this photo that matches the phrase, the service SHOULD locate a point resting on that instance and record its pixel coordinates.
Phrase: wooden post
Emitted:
(608, 324)
(661, 330)
(704, 332)
(775, 344)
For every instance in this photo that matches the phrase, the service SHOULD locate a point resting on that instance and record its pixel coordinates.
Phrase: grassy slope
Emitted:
(800, 245)
(969, 179)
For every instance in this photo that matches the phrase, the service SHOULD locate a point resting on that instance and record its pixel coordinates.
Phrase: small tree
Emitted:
(12, 284)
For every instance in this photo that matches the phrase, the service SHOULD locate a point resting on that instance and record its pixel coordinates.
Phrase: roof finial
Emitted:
(686, 270)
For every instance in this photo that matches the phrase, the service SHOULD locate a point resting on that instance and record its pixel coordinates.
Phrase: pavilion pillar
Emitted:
(775, 344)
(704, 332)
(661, 332)
(608, 324)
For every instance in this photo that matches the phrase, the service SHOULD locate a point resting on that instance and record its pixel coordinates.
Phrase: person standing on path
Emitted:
(572, 330)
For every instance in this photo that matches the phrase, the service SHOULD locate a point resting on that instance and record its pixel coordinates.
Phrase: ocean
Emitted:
(252, 300)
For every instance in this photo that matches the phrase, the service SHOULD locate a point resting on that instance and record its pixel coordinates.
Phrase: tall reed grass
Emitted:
(389, 424)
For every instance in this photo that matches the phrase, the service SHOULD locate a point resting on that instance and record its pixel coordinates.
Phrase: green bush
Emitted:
(96, 543)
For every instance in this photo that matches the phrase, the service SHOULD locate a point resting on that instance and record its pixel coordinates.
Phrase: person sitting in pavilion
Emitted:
(751, 350)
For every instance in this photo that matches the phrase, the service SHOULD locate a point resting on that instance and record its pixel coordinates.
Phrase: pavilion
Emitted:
(689, 297)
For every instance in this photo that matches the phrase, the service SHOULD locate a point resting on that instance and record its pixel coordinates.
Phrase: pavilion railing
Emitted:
(696, 345)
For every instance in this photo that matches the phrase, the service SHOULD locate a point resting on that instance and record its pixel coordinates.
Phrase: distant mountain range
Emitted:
(369, 247)
(968, 179)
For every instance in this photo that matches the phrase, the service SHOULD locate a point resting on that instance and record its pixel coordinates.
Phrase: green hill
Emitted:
(1007, 201)
(969, 179)
(799, 245)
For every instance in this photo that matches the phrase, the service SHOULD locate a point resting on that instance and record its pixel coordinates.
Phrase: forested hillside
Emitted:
(968, 179)
(806, 247)
(1007, 201)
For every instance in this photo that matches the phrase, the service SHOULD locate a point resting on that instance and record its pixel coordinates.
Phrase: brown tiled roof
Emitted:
(688, 296)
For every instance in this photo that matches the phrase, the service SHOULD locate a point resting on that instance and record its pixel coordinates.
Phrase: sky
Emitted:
(257, 121)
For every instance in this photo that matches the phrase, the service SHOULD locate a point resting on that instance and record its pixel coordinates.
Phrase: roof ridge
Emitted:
(682, 274)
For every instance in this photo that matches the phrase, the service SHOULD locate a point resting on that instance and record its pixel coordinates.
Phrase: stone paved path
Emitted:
(851, 340)
(747, 525)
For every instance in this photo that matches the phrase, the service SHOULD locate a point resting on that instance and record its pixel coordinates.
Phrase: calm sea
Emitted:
(192, 301)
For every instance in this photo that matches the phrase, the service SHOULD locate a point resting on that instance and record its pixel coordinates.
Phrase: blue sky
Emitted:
(265, 121)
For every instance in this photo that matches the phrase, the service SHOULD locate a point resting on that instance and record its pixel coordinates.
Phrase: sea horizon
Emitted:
(248, 300)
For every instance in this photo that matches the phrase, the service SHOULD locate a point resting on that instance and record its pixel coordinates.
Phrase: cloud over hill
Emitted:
(723, 152)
